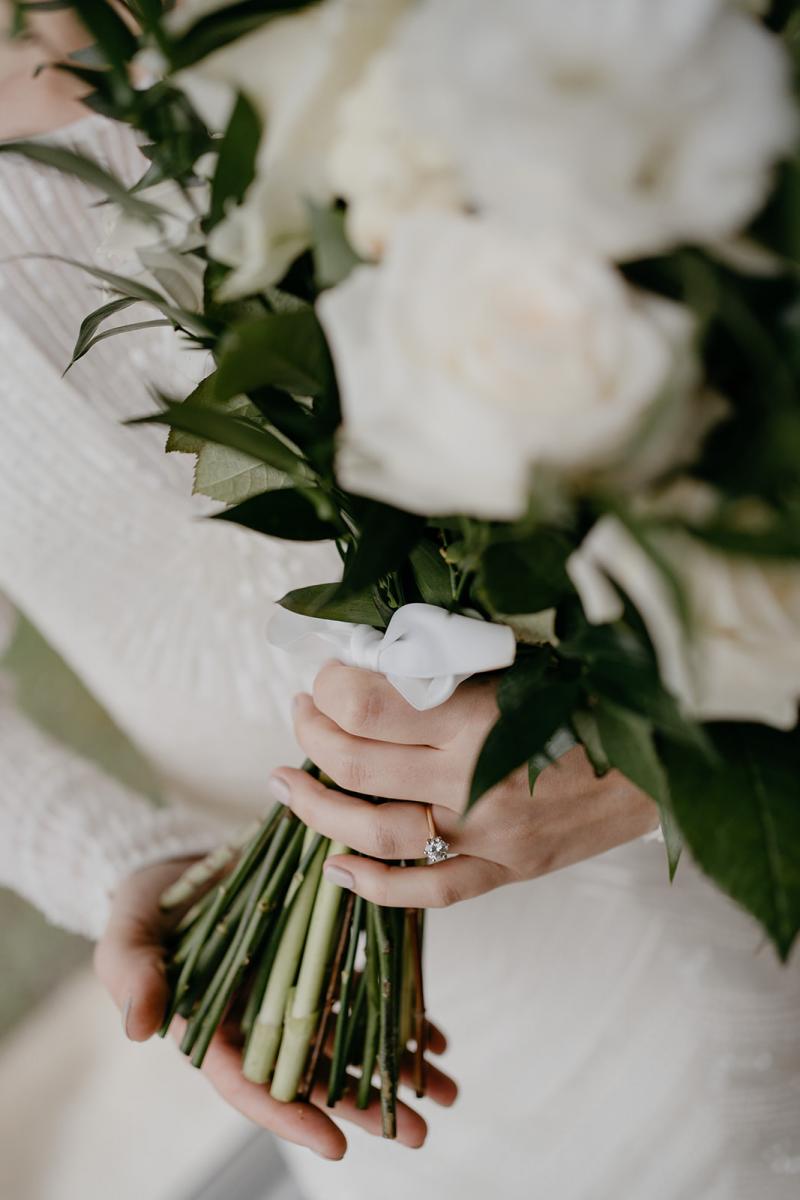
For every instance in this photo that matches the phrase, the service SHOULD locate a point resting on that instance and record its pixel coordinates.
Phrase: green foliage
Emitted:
(226, 429)
(236, 162)
(68, 162)
(742, 820)
(281, 350)
(527, 575)
(533, 705)
(284, 513)
(324, 600)
(431, 574)
(118, 43)
(91, 323)
(627, 742)
(132, 289)
(386, 536)
(218, 29)
(220, 472)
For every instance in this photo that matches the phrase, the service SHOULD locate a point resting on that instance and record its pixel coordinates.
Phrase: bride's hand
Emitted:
(129, 960)
(363, 735)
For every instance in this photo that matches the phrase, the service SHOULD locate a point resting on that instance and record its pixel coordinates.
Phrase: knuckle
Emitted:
(362, 705)
(350, 697)
(385, 840)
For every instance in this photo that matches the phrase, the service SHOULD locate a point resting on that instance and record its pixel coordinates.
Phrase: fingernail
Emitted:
(126, 1012)
(326, 1157)
(280, 789)
(339, 876)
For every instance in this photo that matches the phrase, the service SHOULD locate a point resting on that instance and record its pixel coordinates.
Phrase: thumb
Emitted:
(130, 964)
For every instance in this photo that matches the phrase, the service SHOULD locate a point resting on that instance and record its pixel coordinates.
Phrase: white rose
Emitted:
(468, 357)
(739, 659)
(629, 126)
(161, 256)
(295, 70)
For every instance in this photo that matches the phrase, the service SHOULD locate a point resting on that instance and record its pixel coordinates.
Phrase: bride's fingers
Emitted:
(365, 704)
(438, 1087)
(391, 830)
(375, 768)
(437, 1041)
(412, 1129)
(436, 886)
(131, 967)
(303, 1124)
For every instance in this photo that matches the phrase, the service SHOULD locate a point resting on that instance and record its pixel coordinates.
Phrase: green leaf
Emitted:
(220, 472)
(289, 416)
(91, 323)
(118, 329)
(282, 350)
(217, 29)
(431, 574)
(386, 537)
(133, 290)
(78, 165)
(584, 723)
(533, 706)
(741, 821)
(236, 163)
(285, 513)
(233, 477)
(203, 396)
(221, 427)
(322, 600)
(118, 43)
(627, 739)
(334, 257)
(525, 576)
(617, 664)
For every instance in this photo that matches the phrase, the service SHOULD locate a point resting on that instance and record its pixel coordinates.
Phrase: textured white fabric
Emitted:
(73, 832)
(613, 1036)
(161, 614)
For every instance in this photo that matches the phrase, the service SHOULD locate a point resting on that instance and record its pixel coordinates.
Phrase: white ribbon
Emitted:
(426, 652)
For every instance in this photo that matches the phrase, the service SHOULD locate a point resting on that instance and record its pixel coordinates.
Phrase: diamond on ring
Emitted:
(436, 849)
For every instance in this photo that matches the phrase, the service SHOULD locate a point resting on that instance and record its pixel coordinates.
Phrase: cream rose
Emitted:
(468, 358)
(630, 127)
(295, 69)
(739, 658)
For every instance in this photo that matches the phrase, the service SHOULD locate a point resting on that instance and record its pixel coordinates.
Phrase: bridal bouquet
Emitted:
(504, 300)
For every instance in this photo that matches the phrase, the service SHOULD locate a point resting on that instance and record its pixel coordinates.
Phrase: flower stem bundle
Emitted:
(317, 979)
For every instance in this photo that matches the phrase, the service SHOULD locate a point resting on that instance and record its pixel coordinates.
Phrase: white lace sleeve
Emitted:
(69, 833)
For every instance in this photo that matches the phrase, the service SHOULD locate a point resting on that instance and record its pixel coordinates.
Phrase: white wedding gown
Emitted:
(614, 1038)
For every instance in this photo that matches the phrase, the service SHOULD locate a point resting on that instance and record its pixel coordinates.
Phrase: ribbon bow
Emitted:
(426, 652)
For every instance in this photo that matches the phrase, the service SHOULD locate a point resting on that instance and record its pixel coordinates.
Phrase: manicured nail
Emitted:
(126, 1012)
(280, 789)
(338, 875)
